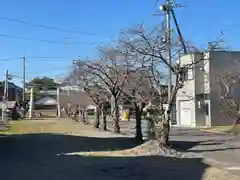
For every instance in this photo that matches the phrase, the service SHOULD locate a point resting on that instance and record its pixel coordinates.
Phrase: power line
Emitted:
(45, 41)
(32, 57)
(45, 57)
(9, 59)
(50, 27)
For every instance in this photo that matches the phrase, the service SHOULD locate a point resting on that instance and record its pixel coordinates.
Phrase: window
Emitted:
(189, 74)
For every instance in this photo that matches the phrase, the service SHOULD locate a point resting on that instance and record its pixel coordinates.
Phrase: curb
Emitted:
(214, 132)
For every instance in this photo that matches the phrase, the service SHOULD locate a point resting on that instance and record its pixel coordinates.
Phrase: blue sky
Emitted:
(200, 21)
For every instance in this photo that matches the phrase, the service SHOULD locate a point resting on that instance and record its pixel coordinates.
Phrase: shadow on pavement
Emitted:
(31, 145)
(36, 156)
(186, 146)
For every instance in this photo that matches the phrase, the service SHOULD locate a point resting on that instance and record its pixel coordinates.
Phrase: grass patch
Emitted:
(229, 129)
(26, 126)
(218, 129)
(49, 125)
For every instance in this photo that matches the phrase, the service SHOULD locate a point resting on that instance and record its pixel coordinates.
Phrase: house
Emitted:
(14, 92)
(14, 109)
(14, 97)
(69, 100)
(198, 103)
(45, 102)
(75, 98)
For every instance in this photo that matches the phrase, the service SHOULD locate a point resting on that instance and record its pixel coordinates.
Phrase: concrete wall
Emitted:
(187, 92)
(204, 86)
(196, 90)
(188, 89)
(220, 64)
(202, 90)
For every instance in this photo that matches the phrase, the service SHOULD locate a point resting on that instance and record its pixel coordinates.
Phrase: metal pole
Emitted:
(5, 97)
(24, 78)
(58, 102)
(76, 63)
(68, 90)
(6, 86)
(31, 104)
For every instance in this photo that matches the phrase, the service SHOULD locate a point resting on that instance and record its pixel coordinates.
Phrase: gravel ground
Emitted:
(58, 151)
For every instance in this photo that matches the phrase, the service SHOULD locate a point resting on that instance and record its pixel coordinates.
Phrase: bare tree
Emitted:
(152, 46)
(109, 74)
(101, 100)
(136, 90)
(227, 86)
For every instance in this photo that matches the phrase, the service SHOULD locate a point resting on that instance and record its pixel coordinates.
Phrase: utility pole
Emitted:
(169, 44)
(24, 77)
(31, 103)
(6, 85)
(168, 7)
(68, 90)
(58, 102)
(77, 64)
(5, 98)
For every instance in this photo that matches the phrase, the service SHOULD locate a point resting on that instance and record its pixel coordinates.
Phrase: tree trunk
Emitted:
(129, 114)
(104, 117)
(138, 135)
(86, 116)
(97, 118)
(115, 114)
(163, 128)
(83, 115)
(162, 133)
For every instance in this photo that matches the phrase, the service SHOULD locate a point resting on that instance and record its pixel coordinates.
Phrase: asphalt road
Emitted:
(42, 156)
(219, 149)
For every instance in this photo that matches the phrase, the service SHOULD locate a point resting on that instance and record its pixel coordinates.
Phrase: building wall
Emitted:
(220, 63)
(204, 87)
(196, 89)
(188, 90)
(201, 70)
(202, 90)
(13, 94)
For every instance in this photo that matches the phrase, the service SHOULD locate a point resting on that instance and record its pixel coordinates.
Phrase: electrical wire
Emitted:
(155, 5)
(9, 59)
(50, 27)
(46, 41)
(32, 57)
(45, 57)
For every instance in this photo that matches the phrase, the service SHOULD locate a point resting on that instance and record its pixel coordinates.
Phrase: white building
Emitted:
(198, 102)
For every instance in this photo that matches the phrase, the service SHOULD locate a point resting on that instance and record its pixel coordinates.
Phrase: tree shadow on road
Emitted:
(184, 145)
(52, 144)
(41, 157)
(187, 146)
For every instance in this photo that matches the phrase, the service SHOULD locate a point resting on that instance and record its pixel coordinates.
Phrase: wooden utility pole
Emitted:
(24, 77)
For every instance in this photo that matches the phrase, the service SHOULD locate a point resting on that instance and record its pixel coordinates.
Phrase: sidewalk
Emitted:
(217, 149)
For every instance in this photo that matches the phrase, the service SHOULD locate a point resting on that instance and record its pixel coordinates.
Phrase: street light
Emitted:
(165, 7)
